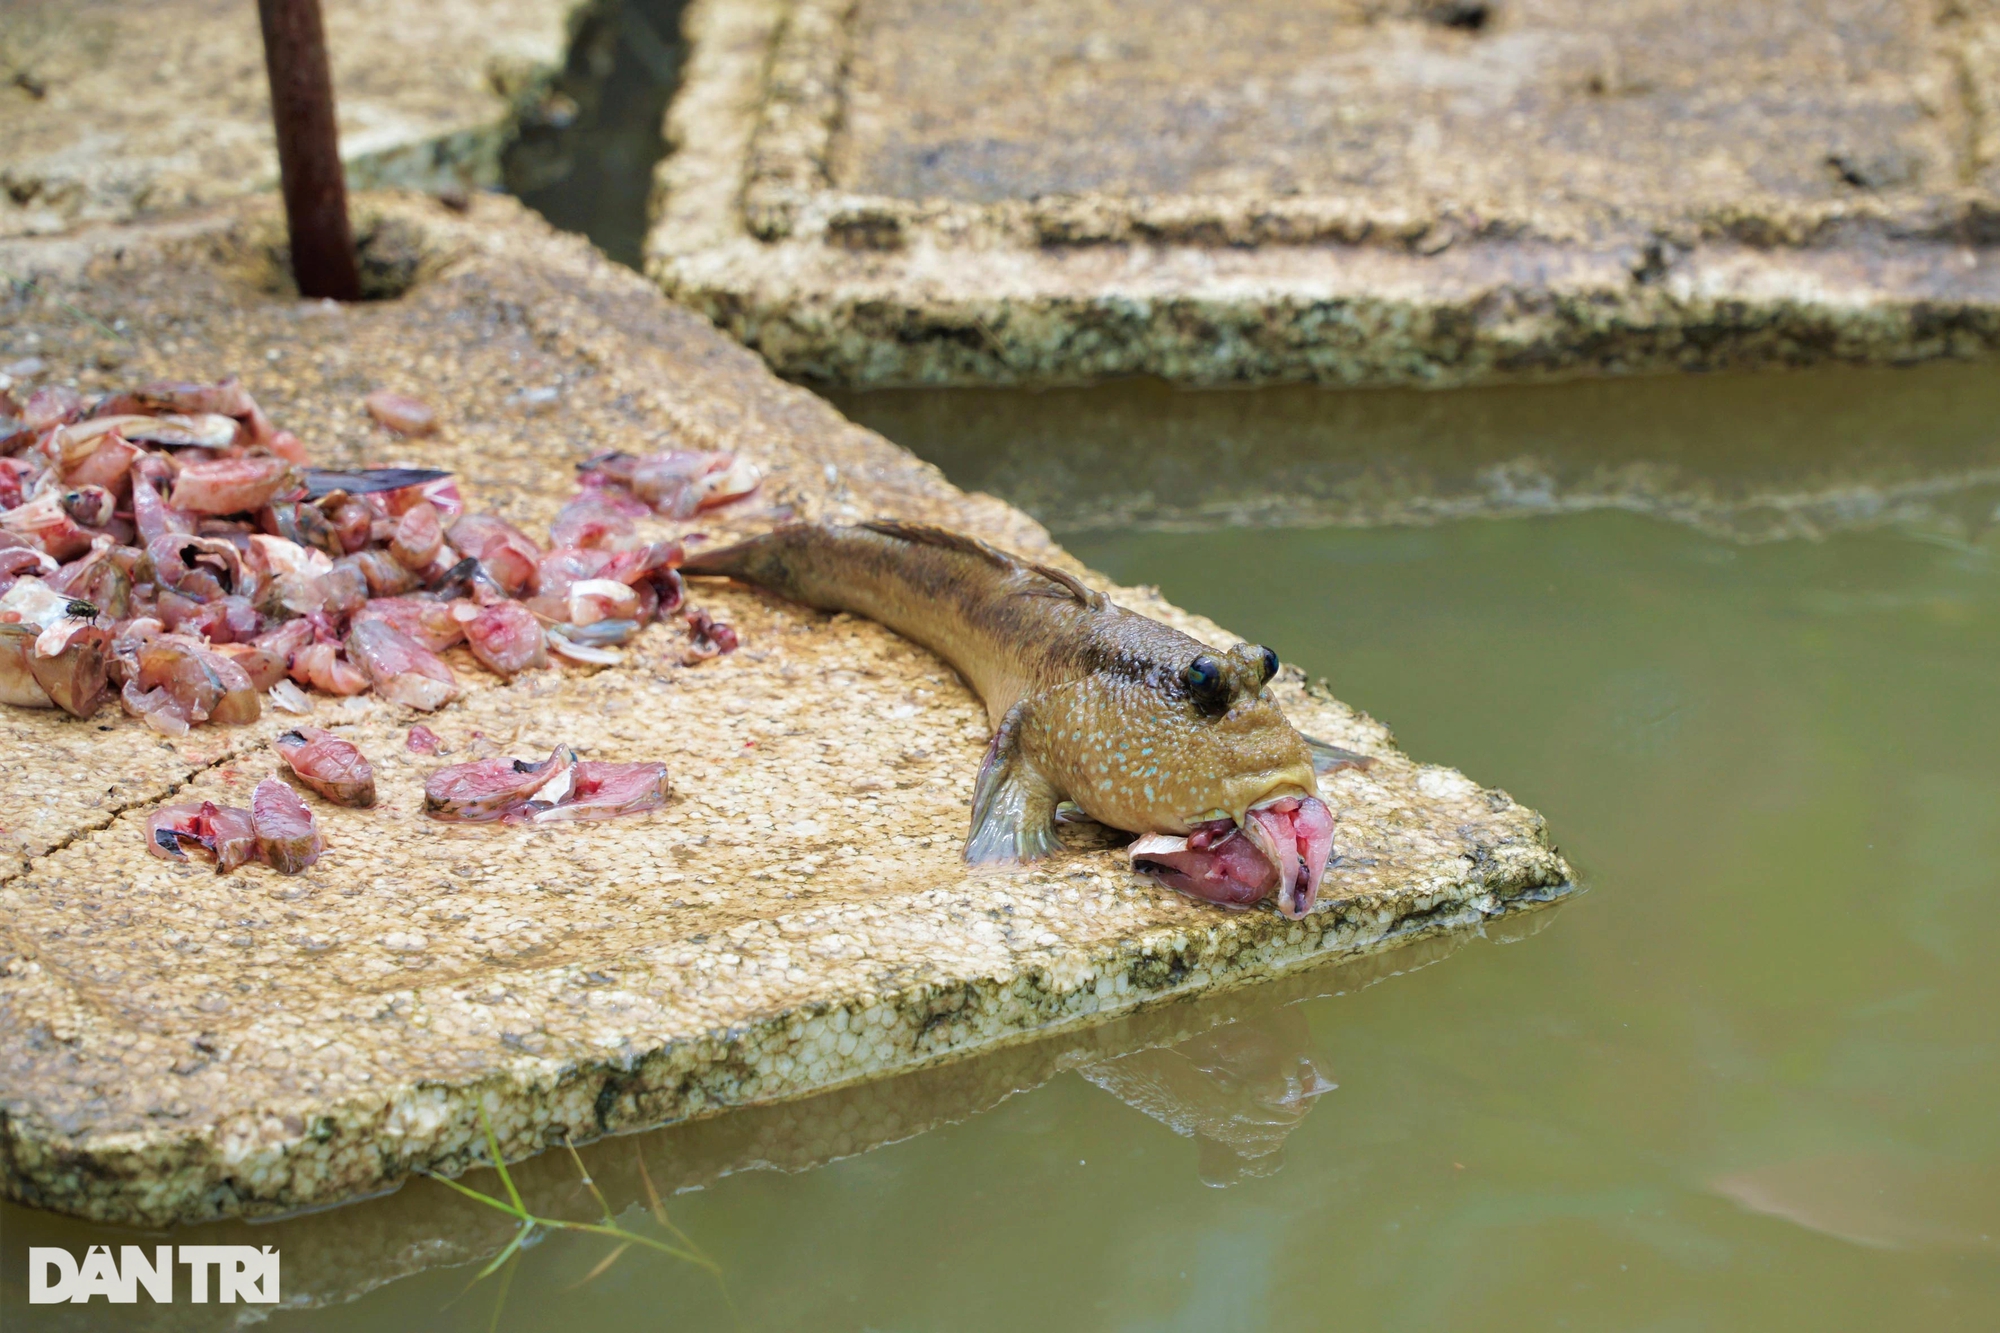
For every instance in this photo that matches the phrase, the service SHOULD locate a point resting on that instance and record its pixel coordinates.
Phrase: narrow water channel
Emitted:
(1747, 1080)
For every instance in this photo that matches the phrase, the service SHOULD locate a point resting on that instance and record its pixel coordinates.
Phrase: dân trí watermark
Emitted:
(224, 1273)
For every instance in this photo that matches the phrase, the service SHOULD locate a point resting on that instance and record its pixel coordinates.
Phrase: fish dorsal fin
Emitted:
(923, 534)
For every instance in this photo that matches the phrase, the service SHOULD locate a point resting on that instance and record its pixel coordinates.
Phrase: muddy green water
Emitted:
(1748, 1080)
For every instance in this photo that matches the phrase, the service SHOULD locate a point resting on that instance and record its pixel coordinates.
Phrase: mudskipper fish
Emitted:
(1138, 725)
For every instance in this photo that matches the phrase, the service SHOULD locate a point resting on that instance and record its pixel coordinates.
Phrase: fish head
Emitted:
(1230, 809)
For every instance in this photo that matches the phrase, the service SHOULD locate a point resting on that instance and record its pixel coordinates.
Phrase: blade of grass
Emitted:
(505, 1254)
(609, 1218)
(499, 1164)
(660, 1210)
(500, 1301)
(514, 1207)
(602, 1264)
(472, 1193)
(652, 1194)
(26, 285)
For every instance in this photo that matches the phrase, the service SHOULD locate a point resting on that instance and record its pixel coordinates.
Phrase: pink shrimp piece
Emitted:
(75, 675)
(239, 702)
(642, 564)
(560, 569)
(287, 839)
(403, 670)
(682, 483)
(422, 740)
(440, 493)
(19, 556)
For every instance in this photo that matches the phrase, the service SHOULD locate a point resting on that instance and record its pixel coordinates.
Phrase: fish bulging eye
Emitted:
(1203, 677)
(1270, 660)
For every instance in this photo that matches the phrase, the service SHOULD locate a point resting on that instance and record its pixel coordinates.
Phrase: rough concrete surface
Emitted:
(176, 1045)
(1349, 191)
(116, 109)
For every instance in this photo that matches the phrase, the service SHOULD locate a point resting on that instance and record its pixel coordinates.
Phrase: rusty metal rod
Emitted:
(309, 149)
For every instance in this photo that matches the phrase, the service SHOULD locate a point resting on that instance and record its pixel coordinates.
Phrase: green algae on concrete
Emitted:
(915, 191)
(118, 109)
(177, 1045)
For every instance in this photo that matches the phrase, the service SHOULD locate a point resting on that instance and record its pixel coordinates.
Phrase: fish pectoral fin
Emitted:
(1013, 805)
(1331, 758)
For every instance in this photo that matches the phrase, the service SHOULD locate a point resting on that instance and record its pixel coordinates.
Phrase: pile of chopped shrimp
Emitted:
(171, 545)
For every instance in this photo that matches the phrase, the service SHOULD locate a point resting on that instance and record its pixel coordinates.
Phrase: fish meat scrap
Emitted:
(287, 839)
(560, 788)
(277, 829)
(489, 789)
(221, 566)
(1144, 728)
(334, 768)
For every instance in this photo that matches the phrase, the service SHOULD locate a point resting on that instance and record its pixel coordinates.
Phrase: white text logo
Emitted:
(231, 1272)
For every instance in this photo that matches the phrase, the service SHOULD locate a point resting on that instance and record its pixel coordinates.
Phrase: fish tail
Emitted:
(764, 560)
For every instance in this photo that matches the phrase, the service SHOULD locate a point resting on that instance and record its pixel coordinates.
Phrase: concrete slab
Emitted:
(117, 109)
(174, 1045)
(1349, 191)
(334, 1256)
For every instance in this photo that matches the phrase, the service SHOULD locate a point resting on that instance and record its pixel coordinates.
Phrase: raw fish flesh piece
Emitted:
(287, 839)
(602, 791)
(507, 639)
(403, 670)
(489, 789)
(333, 767)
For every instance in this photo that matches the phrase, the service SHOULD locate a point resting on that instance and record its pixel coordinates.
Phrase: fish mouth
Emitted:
(1280, 848)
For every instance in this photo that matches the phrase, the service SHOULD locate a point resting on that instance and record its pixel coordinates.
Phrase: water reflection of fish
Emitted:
(1142, 727)
(1877, 1200)
(1238, 1091)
